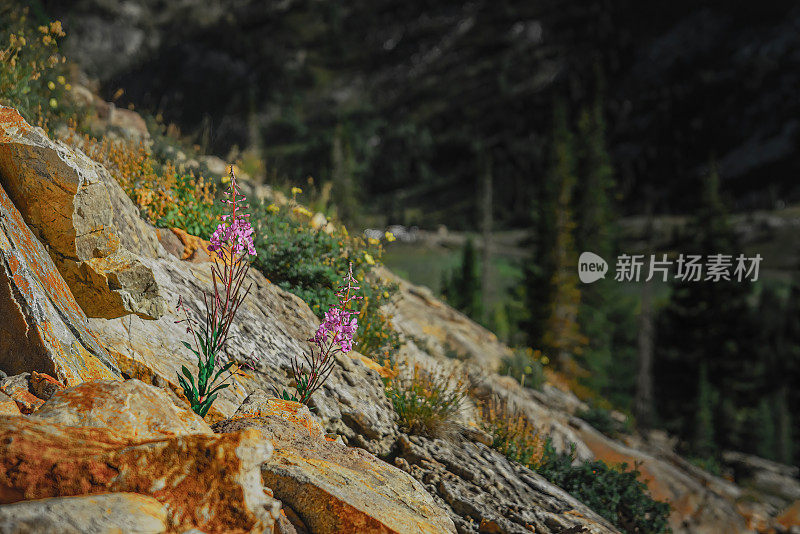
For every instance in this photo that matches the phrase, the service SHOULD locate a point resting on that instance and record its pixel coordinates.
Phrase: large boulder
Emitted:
(130, 409)
(209, 483)
(87, 514)
(42, 327)
(334, 488)
(90, 227)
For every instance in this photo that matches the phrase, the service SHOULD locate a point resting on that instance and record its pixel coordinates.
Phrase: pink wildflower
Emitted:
(334, 334)
(234, 233)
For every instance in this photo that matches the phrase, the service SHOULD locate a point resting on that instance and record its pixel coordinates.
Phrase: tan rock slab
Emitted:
(209, 483)
(43, 328)
(130, 409)
(17, 387)
(127, 513)
(77, 209)
(334, 488)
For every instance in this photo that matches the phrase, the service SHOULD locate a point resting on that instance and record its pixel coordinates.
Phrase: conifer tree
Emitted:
(704, 363)
(606, 315)
(462, 289)
(551, 294)
(789, 394)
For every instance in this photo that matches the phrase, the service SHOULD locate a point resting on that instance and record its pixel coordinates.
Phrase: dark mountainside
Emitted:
(417, 96)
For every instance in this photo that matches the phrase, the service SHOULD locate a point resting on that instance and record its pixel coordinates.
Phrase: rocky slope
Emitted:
(93, 419)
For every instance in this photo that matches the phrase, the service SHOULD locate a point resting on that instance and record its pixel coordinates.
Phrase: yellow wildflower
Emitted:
(272, 208)
(61, 80)
(296, 191)
(51, 85)
(389, 236)
(68, 87)
(55, 27)
(373, 241)
(53, 103)
(545, 360)
(44, 29)
(369, 259)
(300, 210)
(46, 39)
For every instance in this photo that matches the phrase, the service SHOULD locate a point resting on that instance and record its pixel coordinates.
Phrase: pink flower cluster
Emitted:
(340, 321)
(235, 232)
(236, 236)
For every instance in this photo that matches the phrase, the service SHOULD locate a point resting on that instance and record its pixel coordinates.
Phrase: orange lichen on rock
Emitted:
(26, 401)
(11, 120)
(130, 409)
(191, 244)
(289, 411)
(210, 483)
(8, 406)
(43, 329)
(790, 517)
(383, 370)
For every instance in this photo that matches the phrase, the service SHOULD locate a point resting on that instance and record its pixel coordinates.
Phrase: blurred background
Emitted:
(499, 140)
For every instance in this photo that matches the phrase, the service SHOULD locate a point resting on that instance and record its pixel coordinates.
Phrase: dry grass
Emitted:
(427, 402)
(512, 432)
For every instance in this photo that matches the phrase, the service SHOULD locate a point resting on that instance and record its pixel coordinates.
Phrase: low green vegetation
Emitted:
(602, 419)
(526, 366)
(616, 493)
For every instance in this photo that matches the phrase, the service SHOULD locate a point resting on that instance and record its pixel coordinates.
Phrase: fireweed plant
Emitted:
(232, 243)
(334, 335)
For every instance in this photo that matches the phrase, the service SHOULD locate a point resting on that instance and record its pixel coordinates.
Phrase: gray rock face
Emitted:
(484, 492)
(127, 513)
(271, 325)
(780, 481)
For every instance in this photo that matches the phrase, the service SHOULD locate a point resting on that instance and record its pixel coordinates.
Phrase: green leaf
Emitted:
(188, 375)
(222, 370)
(204, 407)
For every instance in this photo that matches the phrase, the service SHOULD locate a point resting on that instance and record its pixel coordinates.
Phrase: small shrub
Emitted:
(426, 402)
(512, 432)
(602, 420)
(527, 366)
(613, 492)
(300, 259)
(32, 74)
(309, 262)
(712, 465)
